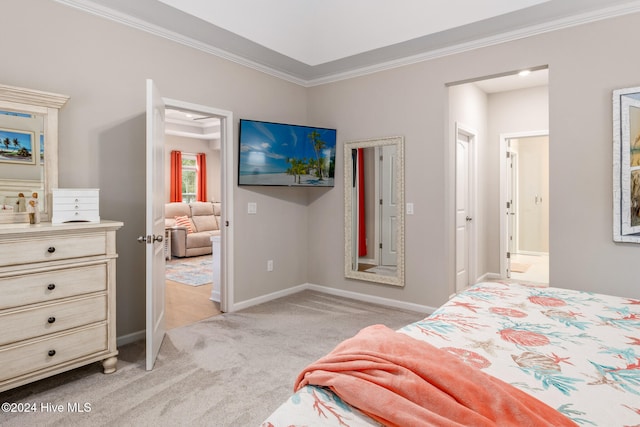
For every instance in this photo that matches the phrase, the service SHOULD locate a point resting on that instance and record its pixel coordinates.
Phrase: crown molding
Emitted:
(553, 25)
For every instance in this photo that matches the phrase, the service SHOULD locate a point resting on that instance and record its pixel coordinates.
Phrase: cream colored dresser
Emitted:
(57, 299)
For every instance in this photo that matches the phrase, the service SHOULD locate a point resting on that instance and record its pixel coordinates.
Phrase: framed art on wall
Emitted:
(626, 165)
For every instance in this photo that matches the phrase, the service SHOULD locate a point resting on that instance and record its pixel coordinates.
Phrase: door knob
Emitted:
(468, 218)
(150, 239)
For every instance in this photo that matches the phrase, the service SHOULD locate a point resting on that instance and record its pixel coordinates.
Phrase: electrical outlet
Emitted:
(270, 265)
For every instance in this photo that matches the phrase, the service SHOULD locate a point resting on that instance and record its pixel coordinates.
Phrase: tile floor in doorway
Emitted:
(537, 273)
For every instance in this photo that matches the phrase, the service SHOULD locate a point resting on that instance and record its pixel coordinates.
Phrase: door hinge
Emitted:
(381, 202)
(508, 154)
(508, 255)
(380, 245)
(226, 223)
(508, 205)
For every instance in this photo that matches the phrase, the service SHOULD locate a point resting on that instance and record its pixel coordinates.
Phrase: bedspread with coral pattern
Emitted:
(578, 352)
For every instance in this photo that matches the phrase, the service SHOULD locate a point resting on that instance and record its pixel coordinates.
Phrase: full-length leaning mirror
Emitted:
(28, 151)
(374, 210)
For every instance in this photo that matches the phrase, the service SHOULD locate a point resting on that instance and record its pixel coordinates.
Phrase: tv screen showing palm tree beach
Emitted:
(286, 155)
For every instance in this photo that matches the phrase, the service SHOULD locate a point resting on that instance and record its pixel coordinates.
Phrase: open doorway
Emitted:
(525, 227)
(192, 139)
(494, 105)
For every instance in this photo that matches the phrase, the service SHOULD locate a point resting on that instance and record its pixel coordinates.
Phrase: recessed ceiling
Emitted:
(317, 32)
(315, 42)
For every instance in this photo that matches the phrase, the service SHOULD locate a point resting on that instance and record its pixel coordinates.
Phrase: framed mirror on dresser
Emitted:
(28, 151)
(57, 281)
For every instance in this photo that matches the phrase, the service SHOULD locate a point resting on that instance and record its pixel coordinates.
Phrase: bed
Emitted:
(577, 352)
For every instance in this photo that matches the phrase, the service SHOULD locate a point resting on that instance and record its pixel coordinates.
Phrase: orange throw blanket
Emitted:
(400, 381)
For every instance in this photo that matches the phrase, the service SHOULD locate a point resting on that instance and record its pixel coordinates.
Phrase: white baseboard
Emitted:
(265, 298)
(489, 276)
(215, 296)
(337, 292)
(129, 338)
(372, 299)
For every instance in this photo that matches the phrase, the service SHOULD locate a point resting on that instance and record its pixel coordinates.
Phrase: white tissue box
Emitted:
(75, 205)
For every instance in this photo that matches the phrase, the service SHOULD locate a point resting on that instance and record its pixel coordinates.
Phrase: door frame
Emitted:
(504, 137)
(472, 231)
(226, 228)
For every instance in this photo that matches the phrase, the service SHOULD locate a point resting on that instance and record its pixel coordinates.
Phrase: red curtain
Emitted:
(201, 188)
(175, 193)
(362, 227)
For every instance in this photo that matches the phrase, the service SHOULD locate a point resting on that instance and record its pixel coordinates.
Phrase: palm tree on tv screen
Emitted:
(318, 145)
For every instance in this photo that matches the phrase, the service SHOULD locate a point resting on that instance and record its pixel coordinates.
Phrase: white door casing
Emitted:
(511, 206)
(227, 180)
(154, 232)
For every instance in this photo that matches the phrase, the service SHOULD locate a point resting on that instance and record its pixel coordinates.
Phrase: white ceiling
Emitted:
(317, 32)
(314, 42)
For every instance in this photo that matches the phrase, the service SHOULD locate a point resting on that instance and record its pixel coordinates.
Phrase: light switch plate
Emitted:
(252, 208)
(409, 208)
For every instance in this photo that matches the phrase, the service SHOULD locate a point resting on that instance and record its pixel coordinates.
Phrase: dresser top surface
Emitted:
(44, 227)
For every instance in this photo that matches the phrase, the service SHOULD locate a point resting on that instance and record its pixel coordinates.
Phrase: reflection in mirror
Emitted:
(28, 152)
(374, 213)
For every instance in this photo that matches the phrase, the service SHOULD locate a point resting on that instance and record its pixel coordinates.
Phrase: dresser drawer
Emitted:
(76, 205)
(88, 215)
(52, 285)
(31, 357)
(18, 325)
(26, 251)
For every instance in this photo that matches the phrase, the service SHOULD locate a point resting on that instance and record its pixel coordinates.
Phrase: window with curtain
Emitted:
(188, 177)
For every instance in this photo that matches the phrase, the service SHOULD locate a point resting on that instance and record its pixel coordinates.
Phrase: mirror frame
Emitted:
(46, 104)
(623, 101)
(349, 273)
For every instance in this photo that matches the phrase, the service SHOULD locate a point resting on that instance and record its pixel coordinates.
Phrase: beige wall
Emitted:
(103, 66)
(586, 63)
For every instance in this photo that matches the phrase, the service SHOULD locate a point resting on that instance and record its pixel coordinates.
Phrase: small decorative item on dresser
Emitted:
(75, 205)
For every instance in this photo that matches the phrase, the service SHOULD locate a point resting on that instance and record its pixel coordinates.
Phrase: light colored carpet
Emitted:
(193, 271)
(229, 370)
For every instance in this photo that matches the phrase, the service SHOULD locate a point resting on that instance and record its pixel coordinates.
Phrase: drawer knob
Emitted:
(51, 319)
(51, 286)
(51, 353)
(51, 249)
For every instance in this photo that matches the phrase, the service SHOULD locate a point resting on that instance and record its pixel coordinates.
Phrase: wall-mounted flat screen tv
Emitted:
(286, 155)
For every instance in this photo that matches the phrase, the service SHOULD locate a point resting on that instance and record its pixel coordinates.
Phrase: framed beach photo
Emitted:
(16, 147)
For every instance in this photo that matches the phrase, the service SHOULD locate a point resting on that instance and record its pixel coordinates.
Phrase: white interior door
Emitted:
(389, 207)
(154, 234)
(462, 212)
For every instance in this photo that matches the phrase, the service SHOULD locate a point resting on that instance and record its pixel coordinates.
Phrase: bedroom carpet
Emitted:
(230, 370)
(193, 271)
